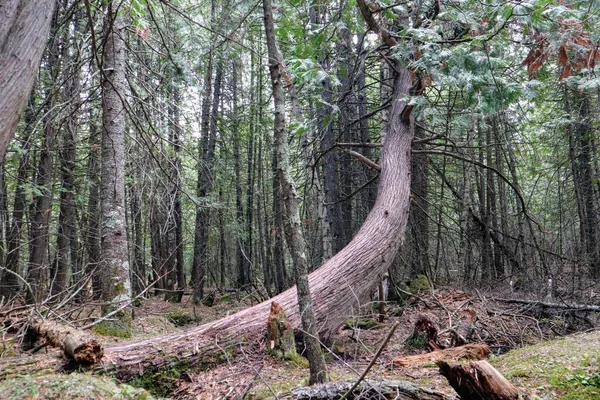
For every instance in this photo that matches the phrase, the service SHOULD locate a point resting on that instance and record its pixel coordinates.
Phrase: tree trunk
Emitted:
(116, 289)
(24, 30)
(292, 224)
(66, 238)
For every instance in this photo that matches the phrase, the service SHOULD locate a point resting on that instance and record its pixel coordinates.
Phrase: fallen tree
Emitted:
(339, 287)
(471, 351)
(478, 380)
(77, 345)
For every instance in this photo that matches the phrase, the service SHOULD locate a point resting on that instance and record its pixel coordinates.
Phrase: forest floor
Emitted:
(536, 348)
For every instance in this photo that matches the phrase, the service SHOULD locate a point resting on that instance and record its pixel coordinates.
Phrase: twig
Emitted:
(385, 342)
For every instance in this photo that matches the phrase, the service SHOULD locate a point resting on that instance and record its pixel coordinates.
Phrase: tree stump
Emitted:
(478, 380)
(424, 336)
(280, 334)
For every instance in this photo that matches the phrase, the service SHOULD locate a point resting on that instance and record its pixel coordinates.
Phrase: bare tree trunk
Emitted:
(24, 30)
(67, 228)
(116, 288)
(292, 222)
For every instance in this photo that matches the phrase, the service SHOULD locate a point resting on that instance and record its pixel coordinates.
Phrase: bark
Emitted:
(76, 344)
(243, 258)
(418, 242)
(23, 33)
(478, 381)
(116, 289)
(205, 177)
(332, 229)
(92, 227)
(560, 306)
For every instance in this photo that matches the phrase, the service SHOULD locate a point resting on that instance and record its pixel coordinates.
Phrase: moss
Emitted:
(278, 388)
(63, 386)
(566, 369)
(114, 328)
(364, 324)
(296, 360)
(182, 318)
(163, 382)
(419, 284)
(226, 299)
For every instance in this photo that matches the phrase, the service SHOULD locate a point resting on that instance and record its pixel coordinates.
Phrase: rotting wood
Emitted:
(471, 351)
(77, 345)
(369, 389)
(424, 335)
(478, 380)
(280, 334)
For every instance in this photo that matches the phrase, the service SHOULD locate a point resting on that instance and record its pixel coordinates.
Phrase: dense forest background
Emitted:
(505, 188)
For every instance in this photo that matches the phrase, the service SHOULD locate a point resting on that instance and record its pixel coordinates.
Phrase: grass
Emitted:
(565, 369)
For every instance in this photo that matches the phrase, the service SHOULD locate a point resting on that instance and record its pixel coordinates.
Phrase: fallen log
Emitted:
(368, 389)
(478, 380)
(471, 351)
(561, 306)
(77, 345)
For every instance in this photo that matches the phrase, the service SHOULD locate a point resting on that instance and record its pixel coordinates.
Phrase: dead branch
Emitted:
(561, 306)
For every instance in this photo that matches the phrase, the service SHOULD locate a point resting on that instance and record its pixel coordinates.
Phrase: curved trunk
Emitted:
(341, 285)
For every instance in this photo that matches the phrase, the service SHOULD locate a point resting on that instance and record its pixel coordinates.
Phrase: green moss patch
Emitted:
(566, 369)
(182, 318)
(71, 386)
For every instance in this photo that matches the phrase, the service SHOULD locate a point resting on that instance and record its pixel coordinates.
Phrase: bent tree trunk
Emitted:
(338, 287)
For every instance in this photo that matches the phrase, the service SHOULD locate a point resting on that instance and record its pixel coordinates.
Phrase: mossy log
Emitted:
(369, 389)
(77, 345)
(471, 351)
(478, 380)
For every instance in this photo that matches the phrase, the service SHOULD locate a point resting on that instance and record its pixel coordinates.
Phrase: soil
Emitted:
(252, 374)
